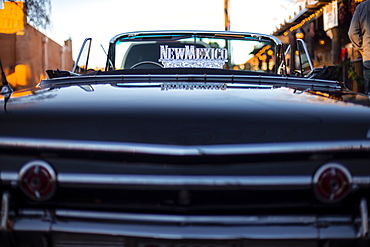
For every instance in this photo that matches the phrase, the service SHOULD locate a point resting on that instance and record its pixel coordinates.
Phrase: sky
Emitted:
(101, 20)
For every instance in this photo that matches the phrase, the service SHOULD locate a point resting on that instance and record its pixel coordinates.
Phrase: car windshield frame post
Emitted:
(87, 41)
(110, 63)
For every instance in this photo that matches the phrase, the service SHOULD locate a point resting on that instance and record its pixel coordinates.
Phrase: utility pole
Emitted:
(226, 15)
(227, 27)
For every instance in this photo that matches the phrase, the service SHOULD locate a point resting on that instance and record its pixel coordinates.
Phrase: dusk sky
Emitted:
(101, 20)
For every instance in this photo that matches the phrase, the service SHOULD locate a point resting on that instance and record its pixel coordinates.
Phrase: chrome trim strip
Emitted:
(290, 147)
(31, 225)
(203, 219)
(8, 177)
(4, 211)
(71, 179)
(177, 150)
(364, 229)
(194, 32)
(186, 232)
(99, 146)
(362, 181)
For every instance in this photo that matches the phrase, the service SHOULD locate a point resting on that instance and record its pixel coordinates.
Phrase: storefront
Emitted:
(323, 25)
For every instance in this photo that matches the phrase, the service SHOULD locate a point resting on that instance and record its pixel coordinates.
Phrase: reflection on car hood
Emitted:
(182, 116)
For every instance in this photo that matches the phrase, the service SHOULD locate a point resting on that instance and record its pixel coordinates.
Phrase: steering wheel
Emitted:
(146, 62)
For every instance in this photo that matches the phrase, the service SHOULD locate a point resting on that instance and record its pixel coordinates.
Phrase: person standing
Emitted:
(359, 34)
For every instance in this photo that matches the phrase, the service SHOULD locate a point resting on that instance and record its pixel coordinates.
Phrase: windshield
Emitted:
(232, 52)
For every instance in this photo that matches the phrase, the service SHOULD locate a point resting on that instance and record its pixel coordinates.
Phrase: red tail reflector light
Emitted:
(37, 180)
(332, 183)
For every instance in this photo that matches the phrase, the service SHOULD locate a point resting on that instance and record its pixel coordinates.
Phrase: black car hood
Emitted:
(141, 114)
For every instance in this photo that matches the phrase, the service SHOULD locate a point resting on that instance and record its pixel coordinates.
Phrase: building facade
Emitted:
(25, 52)
(323, 25)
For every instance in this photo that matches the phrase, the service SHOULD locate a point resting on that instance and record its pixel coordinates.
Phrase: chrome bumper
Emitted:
(176, 227)
(61, 225)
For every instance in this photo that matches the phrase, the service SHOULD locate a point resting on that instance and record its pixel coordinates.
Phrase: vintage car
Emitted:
(186, 139)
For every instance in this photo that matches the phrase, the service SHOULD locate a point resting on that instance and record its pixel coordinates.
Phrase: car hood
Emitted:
(181, 116)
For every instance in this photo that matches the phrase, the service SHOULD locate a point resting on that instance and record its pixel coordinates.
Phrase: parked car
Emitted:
(187, 139)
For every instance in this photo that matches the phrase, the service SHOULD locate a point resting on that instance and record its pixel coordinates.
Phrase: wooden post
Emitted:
(336, 45)
(226, 15)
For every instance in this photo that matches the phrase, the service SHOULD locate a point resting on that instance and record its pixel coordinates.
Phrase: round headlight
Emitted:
(332, 182)
(37, 180)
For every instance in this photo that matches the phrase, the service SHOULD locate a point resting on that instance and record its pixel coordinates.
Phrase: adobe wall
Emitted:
(26, 57)
(7, 50)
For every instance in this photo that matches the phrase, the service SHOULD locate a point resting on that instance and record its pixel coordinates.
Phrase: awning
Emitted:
(311, 10)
